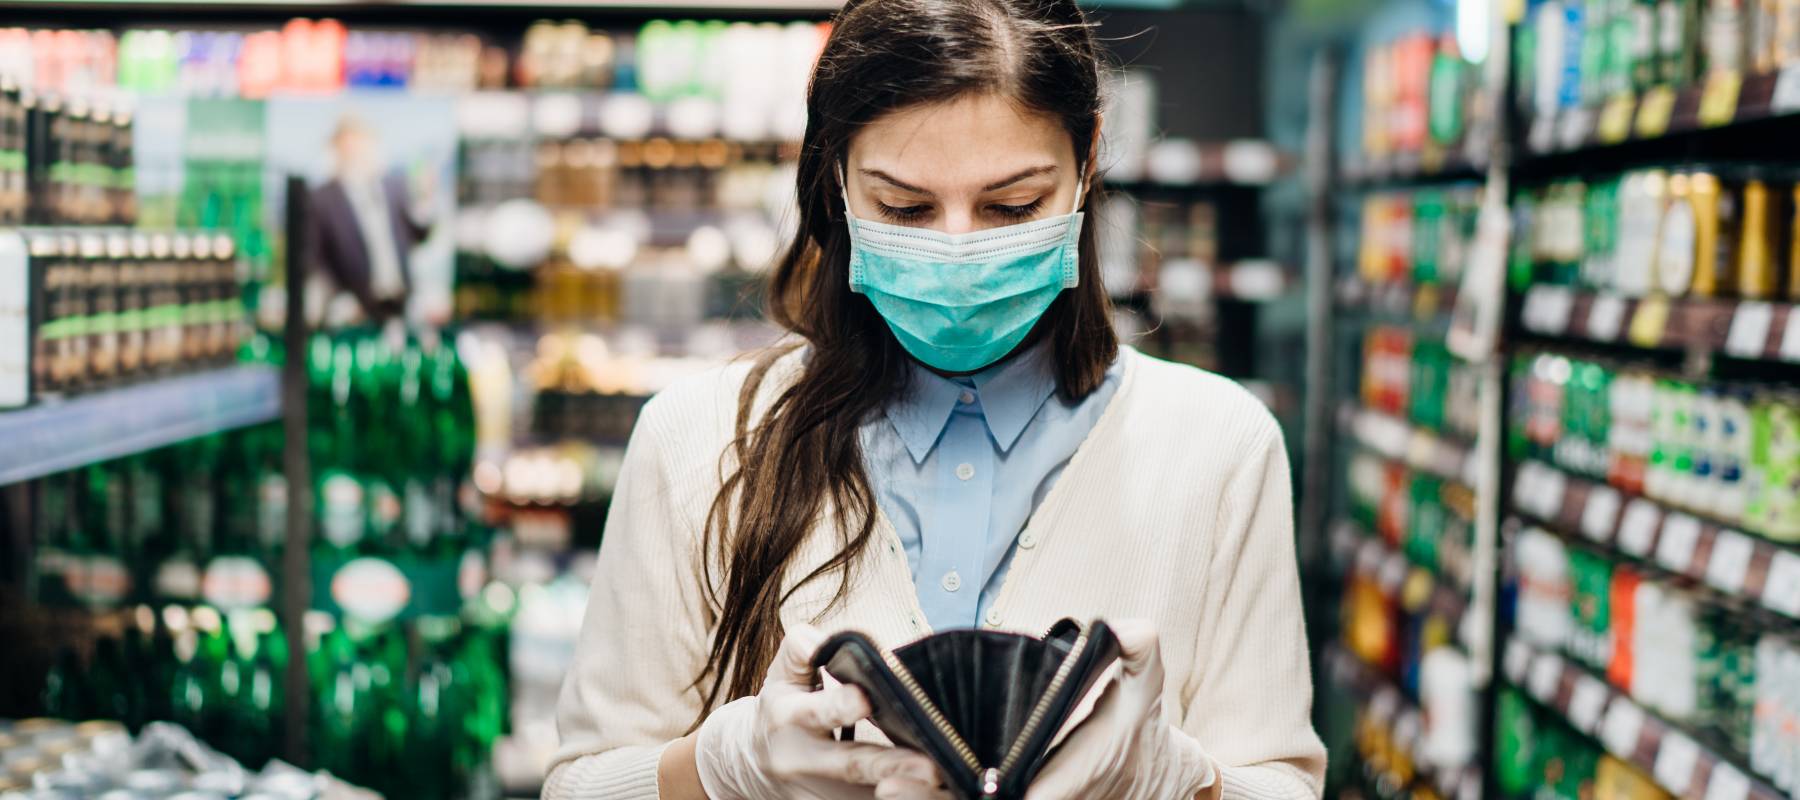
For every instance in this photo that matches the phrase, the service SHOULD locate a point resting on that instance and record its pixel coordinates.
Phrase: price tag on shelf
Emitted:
(1787, 91)
(1718, 102)
(1676, 758)
(1790, 339)
(1675, 548)
(1653, 114)
(1525, 483)
(1730, 561)
(1516, 661)
(1600, 517)
(1550, 498)
(1781, 592)
(1727, 783)
(1557, 308)
(1620, 728)
(1606, 317)
(1546, 673)
(1749, 335)
(1649, 322)
(1615, 119)
(1587, 702)
(1637, 529)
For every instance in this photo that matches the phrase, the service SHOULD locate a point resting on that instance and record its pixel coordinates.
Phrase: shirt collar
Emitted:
(1011, 394)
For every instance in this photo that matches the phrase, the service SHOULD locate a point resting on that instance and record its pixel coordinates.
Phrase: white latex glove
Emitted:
(1127, 749)
(779, 744)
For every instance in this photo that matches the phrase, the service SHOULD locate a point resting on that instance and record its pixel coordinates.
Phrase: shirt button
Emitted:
(993, 618)
(965, 471)
(952, 581)
(1027, 540)
(967, 398)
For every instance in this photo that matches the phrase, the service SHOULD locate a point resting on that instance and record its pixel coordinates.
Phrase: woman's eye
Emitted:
(1017, 212)
(902, 213)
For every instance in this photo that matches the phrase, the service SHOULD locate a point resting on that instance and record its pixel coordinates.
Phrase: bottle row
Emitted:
(1707, 231)
(1417, 237)
(1726, 451)
(410, 711)
(1709, 668)
(1420, 94)
(63, 162)
(1413, 375)
(1537, 754)
(106, 306)
(657, 174)
(748, 65)
(1571, 53)
(1423, 517)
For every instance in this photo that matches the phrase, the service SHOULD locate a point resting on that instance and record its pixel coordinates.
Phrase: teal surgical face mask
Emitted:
(959, 302)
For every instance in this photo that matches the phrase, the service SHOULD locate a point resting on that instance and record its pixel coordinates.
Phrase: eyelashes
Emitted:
(916, 213)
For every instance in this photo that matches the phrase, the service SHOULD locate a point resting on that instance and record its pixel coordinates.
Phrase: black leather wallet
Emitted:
(984, 705)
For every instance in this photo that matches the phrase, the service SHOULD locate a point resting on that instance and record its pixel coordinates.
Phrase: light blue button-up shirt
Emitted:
(959, 464)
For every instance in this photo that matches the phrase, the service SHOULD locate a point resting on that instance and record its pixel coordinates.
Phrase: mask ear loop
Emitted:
(1072, 238)
(856, 268)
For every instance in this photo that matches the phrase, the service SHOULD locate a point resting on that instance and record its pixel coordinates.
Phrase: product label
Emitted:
(1726, 783)
(236, 582)
(1781, 591)
(99, 580)
(1621, 727)
(1749, 334)
(1587, 702)
(371, 590)
(1729, 564)
(178, 579)
(341, 518)
(1675, 547)
(1546, 676)
(1600, 516)
(271, 510)
(1637, 531)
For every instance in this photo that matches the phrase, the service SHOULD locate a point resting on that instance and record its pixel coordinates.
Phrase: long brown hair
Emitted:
(804, 456)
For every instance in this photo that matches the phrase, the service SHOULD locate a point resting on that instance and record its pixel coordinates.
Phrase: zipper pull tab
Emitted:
(990, 782)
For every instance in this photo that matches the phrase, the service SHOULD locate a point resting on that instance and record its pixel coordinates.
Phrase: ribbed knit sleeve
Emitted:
(644, 636)
(1250, 690)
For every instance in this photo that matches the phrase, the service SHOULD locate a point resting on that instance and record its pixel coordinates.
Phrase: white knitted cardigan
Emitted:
(1177, 508)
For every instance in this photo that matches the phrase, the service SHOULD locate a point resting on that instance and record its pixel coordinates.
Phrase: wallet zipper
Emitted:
(990, 777)
(1042, 709)
(931, 711)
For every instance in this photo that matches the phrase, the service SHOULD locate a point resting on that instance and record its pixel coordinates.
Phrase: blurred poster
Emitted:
(379, 166)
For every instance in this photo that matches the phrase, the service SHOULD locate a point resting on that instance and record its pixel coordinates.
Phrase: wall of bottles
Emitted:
(1701, 231)
(1569, 54)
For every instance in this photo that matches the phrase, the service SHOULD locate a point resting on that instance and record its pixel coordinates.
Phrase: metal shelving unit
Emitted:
(64, 434)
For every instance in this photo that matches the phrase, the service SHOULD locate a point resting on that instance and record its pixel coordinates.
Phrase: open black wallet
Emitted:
(985, 706)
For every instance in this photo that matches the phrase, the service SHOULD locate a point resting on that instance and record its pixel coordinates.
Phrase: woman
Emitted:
(959, 441)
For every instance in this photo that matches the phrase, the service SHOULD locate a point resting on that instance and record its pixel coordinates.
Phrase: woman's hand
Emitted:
(778, 744)
(1126, 749)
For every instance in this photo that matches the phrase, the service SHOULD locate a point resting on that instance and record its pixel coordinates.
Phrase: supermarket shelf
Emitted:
(1215, 166)
(1722, 101)
(1398, 302)
(1369, 556)
(1671, 754)
(1421, 449)
(1735, 564)
(1389, 708)
(1745, 329)
(1401, 169)
(53, 437)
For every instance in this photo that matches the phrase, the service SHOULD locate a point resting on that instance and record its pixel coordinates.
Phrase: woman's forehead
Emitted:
(960, 145)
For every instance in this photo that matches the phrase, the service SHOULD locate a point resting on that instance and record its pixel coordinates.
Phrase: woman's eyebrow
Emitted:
(896, 182)
(1031, 172)
(1022, 175)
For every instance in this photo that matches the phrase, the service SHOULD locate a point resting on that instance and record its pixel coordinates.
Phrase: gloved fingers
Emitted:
(1139, 650)
(852, 762)
(908, 788)
(793, 660)
(822, 711)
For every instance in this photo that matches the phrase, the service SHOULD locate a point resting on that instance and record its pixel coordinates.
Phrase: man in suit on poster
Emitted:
(364, 226)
